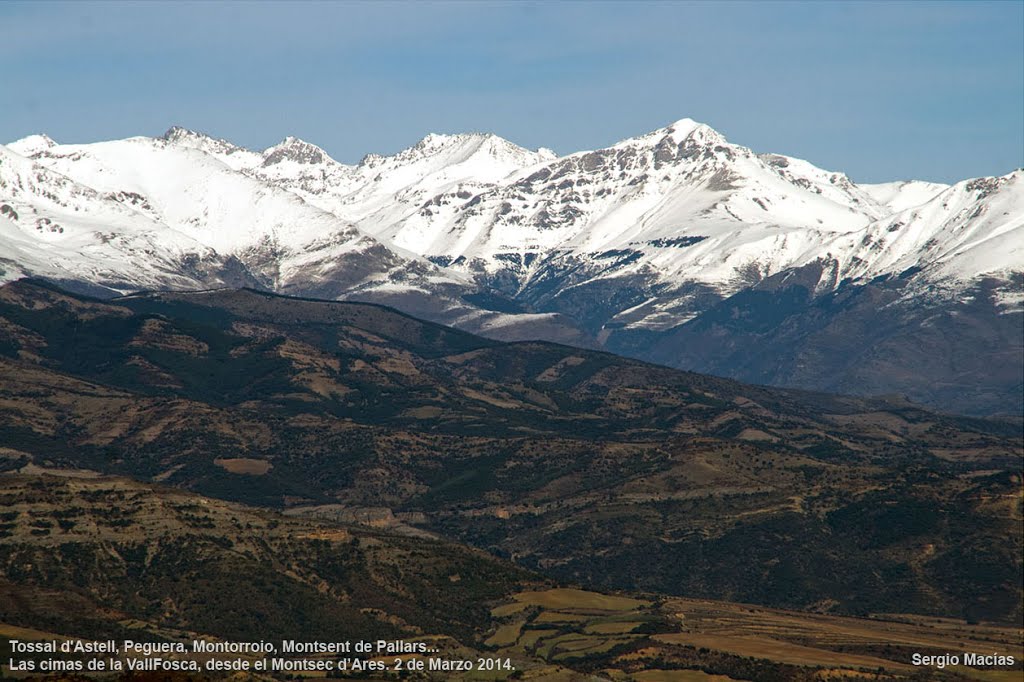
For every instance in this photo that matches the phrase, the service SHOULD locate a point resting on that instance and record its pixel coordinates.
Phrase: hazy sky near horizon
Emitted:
(880, 90)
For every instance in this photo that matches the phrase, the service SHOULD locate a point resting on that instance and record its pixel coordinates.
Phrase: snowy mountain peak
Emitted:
(192, 139)
(295, 150)
(430, 145)
(631, 241)
(685, 127)
(681, 140)
(674, 208)
(687, 133)
(546, 154)
(435, 143)
(482, 157)
(434, 140)
(905, 194)
(500, 148)
(177, 133)
(462, 146)
(33, 144)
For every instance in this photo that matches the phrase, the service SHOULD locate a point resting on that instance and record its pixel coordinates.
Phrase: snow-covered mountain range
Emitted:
(626, 247)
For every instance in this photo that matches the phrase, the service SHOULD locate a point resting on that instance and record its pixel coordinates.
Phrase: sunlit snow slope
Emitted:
(627, 247)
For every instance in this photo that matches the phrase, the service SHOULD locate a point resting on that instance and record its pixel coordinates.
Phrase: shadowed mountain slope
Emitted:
(579, 464)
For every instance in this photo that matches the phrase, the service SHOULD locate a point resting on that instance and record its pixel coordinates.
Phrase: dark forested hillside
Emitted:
(579, 465)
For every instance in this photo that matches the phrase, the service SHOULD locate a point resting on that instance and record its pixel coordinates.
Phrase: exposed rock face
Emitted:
(294, 150)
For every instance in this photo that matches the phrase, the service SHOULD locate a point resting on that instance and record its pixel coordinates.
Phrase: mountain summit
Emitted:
(295, 150)
(634, 247)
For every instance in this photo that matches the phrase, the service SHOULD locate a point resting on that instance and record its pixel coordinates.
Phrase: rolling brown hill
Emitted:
(85, 555)
(110, 557)
(581, 465)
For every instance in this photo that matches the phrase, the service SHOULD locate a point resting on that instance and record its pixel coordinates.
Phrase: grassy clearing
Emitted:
(990, 675)
(530, 638)
(677, 676)
(8, 631)
(566, 626)
(579, 600)
(509, 609)
(507, 635)
(243, 465)
(578, 648)
(559, 617)
(613, 628)
(775, 650)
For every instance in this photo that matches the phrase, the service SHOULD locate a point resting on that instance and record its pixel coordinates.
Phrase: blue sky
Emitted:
(881, 90)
